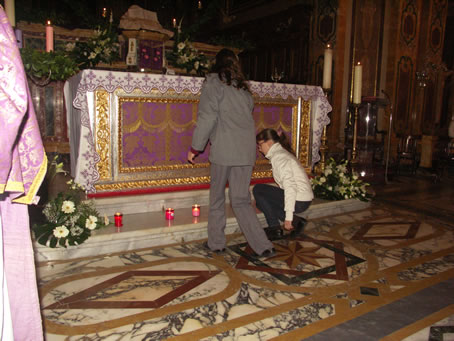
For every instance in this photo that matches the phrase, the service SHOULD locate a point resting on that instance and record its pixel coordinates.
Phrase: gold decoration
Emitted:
(115, 176)
(102, 134)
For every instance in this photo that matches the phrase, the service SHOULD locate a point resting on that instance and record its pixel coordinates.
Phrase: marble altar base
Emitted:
(144, 223)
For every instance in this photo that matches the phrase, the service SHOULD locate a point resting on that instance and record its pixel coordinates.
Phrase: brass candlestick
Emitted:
(324, 142)
(355, 134)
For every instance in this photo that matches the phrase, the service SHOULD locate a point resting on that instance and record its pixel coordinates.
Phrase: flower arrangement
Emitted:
(68, 219)
(336, 183)
(103, 47)
(184, 55)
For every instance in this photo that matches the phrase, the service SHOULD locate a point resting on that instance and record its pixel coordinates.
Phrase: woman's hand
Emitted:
(288, 225)
(191, 157)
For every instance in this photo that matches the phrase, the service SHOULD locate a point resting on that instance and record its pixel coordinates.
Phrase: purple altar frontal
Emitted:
(132, 131)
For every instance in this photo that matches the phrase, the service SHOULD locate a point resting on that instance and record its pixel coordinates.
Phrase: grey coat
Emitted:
(225, 119)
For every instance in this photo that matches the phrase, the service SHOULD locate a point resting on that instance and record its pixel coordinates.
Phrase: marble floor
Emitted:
(381, 273)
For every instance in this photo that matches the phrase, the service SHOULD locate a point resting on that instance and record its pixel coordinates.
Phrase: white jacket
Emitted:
(290, 175)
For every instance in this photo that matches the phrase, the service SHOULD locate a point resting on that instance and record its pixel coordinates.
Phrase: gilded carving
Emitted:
(154, 132)
(102, 134)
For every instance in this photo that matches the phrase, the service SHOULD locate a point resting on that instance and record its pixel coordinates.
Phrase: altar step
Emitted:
(144, 223)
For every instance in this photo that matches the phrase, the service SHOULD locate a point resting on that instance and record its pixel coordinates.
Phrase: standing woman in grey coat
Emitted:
(225, 120)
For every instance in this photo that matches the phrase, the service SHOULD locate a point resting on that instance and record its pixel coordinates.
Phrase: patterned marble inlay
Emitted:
(140, 287)
(387, 230)
(302, 258)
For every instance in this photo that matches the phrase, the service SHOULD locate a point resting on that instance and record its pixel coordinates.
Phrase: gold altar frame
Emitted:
(108, 142)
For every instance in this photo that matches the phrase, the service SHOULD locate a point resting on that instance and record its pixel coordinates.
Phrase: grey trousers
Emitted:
(239, 178)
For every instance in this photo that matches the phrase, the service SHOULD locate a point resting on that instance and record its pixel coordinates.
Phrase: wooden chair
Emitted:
(407, 153)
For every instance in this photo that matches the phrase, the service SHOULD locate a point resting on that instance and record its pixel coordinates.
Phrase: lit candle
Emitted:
(327, 67)
(104, 12)
(199, 5)
(118, 219)
(10, 11)
(357, 83)
(49, 37)
(170, 213)
(195, 210)
(174, 23)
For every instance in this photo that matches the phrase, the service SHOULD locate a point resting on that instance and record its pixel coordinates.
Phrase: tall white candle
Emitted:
(49, 37)
(357, 83)
(10, 11)
(327, 67)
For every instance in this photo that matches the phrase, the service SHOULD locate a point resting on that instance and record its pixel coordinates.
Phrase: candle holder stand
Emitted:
(324, 143)
(354, 159)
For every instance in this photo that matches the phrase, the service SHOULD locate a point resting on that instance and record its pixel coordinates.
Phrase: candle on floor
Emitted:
(170, 213)
(10, 11)
(195, 210)
(118, 219)
(49, 37)
(357, 84)
(327, 67)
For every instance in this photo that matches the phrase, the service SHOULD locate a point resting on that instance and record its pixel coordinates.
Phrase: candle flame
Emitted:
(48, 22)
(328, 46)
(359, 63)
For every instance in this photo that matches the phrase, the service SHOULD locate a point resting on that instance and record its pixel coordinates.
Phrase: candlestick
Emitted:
(174, 23)
(49, 37)
(10, 11)
(170, 213)
(118, 217)
(355, 136)
(327, 67)
(357, 84)
(195, 210)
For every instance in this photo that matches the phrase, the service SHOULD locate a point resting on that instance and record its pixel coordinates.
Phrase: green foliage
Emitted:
(185, 56)
(55, 66)
(336, 183)
(69, 220)
(103, 47)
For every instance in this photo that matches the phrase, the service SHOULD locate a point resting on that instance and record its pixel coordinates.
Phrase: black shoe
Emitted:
(298, 226)
(273, 232)
(268, 253)
(205, 245)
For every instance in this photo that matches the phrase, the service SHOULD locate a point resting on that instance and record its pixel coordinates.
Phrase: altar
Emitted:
(130, 132)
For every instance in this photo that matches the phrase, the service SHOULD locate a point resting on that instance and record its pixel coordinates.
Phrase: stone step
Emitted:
(149, 229)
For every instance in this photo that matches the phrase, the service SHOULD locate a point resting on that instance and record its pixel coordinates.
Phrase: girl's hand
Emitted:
(288, 225)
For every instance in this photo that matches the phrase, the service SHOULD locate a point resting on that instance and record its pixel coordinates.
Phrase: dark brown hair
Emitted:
(228, 68)
(271, 134)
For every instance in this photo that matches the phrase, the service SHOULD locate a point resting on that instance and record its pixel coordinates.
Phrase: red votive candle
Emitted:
(170, 213)
(118, 219)
(195, 210)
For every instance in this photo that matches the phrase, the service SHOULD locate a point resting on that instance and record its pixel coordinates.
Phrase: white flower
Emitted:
(328, 171)
(196, 65)
(322, 179)
(106, 220)
(181, 46)
(76, 231)
(70, 46)
(61, 231)
(90, 223)
(68, 206)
